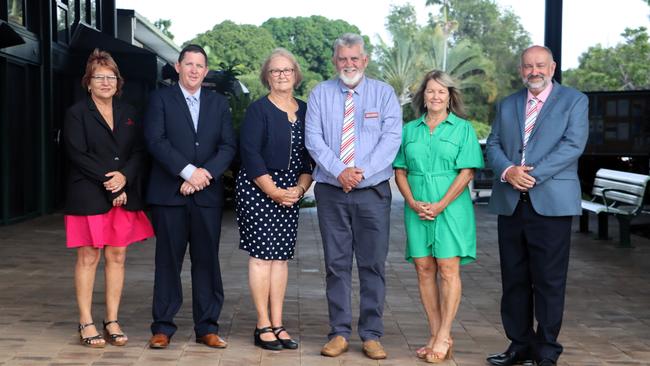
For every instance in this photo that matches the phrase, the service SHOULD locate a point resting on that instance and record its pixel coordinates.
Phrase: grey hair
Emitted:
(348, 40)
(548, 50)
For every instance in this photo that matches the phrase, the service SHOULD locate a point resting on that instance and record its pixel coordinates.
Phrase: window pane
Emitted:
(71, 12)
(16, 11)
(62, 25)
(93, 13)
(82, 11)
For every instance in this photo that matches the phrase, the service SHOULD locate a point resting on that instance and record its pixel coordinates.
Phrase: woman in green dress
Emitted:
(433, 167)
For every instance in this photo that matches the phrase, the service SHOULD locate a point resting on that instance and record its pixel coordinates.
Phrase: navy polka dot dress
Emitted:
(266, 229)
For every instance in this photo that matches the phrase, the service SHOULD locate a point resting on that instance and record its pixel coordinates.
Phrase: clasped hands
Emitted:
(519, 178)
(197, 182)
(349, 178)
(114, 184)
(287, 197)
(427, 210)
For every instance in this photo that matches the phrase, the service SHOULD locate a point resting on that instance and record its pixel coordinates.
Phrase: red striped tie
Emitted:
(531, 117)
(347, 134)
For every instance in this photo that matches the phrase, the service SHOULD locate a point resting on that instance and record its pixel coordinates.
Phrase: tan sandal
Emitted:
(88, 341)
(434, 357)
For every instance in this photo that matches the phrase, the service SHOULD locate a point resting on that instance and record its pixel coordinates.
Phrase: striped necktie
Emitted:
(193, 105)
(531, 117)
(347, 135)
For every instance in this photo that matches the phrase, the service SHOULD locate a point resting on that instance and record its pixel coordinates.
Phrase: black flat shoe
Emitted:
(287, 343)
(273, 345)
(508, 358)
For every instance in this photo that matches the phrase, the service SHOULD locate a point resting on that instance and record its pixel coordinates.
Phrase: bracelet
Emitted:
(303, 189)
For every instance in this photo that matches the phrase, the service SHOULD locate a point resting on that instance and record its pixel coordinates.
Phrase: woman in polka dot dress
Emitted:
(276, 172)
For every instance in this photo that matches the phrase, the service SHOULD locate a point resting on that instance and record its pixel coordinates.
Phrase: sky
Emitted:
(585, 22)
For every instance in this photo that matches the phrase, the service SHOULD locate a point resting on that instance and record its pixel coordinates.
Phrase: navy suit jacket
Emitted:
(173, 144)
(554, 146)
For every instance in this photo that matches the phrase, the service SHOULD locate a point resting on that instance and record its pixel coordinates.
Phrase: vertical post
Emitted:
(553, 34)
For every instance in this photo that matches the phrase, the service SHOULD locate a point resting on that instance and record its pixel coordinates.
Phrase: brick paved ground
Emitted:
(607, 320)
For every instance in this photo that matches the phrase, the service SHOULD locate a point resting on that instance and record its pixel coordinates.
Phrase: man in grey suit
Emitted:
(537, 137)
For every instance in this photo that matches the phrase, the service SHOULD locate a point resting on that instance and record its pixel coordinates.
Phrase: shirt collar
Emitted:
(543, 95)
(187, 94)
(451, 119)
(359, 89)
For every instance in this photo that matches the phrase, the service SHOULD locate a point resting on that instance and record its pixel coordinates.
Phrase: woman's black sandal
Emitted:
(88, 341)
(287, 343)
(273, 345)
(115, 339)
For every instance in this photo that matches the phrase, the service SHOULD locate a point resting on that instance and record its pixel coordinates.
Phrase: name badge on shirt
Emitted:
(371, 115)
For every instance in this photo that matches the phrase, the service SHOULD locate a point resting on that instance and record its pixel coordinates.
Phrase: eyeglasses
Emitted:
(102, 78)
(276, 72)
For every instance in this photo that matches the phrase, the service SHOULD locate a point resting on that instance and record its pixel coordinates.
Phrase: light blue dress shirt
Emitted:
(377, 127)
(195, 107)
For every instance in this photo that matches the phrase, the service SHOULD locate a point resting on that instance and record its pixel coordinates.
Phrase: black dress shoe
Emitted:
(546, 362)
(273, 345)
(508, 358)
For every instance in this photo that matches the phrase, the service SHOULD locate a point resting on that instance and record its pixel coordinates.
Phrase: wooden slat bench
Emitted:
(615, 193)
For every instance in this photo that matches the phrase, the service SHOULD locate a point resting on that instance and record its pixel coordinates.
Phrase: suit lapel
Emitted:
(203, 109)
(99, 119)
(520, 108)
(180, 99)
(548, 105)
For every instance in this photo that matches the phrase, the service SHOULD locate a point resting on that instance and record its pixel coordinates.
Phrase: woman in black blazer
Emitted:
(276, 172)
(103, 207)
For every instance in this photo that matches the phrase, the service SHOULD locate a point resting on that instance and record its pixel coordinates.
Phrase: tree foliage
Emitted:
(164, 25)
(238, 47)
(622, 67)
(310, 39)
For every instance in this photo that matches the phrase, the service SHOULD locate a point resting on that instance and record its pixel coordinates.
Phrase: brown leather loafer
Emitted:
(374, 350)
(334, 347)
(212, 340)
(159, 341)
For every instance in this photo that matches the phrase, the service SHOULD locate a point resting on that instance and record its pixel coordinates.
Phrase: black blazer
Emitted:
(173, 143)
(94, 150)
(265, 138)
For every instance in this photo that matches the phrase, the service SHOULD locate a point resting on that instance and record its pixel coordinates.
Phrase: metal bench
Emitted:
(615, 193)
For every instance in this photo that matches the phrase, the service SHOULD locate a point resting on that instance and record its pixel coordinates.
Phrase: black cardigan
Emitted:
(93, 150)
(265, 138)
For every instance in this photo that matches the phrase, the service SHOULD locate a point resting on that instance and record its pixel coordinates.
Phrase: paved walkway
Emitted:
(607, 320)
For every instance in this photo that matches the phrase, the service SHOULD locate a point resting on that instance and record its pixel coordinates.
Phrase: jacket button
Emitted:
(116, 158)
(196, 143)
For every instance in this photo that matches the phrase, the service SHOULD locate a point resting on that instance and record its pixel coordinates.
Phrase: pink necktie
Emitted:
(531, 117)
(347, 135)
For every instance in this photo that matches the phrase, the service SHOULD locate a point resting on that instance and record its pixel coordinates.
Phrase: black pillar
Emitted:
(109, 17)
(553, 34)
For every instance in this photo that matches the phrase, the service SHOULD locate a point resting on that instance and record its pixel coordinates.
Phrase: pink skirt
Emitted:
(117, 228)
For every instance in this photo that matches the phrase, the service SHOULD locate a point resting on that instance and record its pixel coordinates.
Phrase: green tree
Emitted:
(240, 47)
(164, 25)
(622, 67)
(310, 39)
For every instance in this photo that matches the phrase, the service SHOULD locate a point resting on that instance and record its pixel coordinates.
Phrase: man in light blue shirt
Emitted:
(353, 131)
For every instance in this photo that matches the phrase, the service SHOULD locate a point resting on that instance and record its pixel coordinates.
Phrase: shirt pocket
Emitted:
(448, 149)
(371, 120)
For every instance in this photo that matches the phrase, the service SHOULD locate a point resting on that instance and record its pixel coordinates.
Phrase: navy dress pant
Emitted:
(534, 252)
(355, 225)
(175, 227)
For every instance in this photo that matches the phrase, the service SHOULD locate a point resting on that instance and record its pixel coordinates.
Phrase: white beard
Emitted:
(349, 81)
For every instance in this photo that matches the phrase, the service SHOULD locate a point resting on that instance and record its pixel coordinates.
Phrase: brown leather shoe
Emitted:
(212, 340)
(334, 347)
(374, 350)
(159, 341)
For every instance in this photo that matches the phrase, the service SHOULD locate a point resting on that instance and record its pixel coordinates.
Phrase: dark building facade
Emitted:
(44, 45)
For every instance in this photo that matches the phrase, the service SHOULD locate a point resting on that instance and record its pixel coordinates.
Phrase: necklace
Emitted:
(288, 106)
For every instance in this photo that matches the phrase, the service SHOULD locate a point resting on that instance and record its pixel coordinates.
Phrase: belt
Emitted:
(524, 197)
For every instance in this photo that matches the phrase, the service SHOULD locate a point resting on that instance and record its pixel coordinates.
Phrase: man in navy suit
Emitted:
(537, 137)
(189, 133)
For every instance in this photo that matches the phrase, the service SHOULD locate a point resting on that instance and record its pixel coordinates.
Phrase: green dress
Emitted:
(432, 162)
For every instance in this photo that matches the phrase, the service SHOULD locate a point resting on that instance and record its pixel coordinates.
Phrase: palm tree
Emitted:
(398, 66)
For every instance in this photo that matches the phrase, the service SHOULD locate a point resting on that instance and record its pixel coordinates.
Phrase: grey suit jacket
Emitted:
(554, 146)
